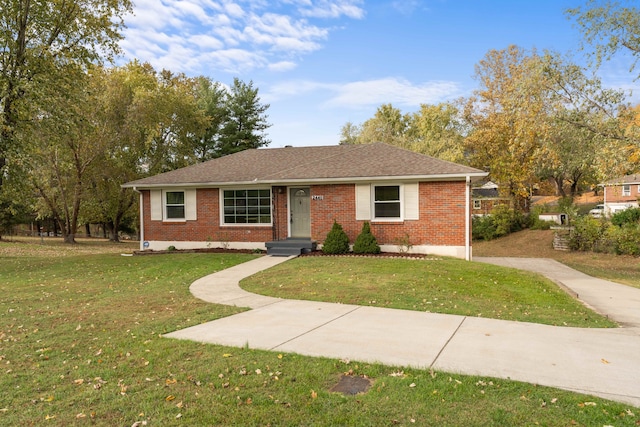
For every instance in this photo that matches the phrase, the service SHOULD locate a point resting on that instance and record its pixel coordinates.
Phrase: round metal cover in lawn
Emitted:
(352, 385)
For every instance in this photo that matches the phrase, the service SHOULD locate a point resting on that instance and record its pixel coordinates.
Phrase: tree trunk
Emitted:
(113, 232)
(574, 189)
(87, 229)
(559, 182)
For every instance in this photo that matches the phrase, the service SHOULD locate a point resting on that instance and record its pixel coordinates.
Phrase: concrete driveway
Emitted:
(602, 362)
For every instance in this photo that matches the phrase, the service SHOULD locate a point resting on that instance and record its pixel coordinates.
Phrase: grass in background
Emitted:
(448, 286)
(539, 244)
(81, 344)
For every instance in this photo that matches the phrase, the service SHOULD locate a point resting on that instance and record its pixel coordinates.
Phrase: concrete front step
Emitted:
(289, 247)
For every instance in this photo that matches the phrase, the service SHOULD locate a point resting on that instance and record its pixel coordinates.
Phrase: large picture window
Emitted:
(387, 202)
(247, 206)
(174, 204)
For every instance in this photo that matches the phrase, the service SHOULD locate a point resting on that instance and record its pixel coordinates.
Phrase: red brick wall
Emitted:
(614, 194)
(442, 215)
(206, 228)
(487, 205)
(442, 218)
(280, 214)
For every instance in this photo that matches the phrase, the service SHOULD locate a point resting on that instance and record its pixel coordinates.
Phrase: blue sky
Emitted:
(322, 63)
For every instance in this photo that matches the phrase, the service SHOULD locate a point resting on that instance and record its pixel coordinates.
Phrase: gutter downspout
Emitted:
(467, 219)
(141, 219)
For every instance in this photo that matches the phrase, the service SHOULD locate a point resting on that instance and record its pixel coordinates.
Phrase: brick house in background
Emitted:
(621, 193)
(485, 197)
(248, 199)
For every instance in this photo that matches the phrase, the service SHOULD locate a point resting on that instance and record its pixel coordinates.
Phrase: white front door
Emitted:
(300, 211)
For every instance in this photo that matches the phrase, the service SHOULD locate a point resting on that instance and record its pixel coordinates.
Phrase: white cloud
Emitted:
(234, 10)
(282, 66)
(368, 93)
(395, 91)
(333, 9)
(266, 34)
(206, 41)
(406, 7)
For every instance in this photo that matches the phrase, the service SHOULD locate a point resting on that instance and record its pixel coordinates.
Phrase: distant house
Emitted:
(621, 193)
(257, 198)
(485, 197)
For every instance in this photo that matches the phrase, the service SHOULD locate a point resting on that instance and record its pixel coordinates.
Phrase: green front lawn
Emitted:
(449, 286)
(81, 345)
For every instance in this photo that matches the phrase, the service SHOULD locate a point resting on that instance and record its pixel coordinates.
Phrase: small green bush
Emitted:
(366, 242)
(337, 241)
(627, 216)
(502, 221)
(627, 240)
(590, 234)
(483, 228)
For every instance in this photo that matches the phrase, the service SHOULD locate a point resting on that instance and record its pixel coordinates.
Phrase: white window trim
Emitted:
(165, 218)
(401, 201)
(477, 204)
(626, 190)
(221, 207)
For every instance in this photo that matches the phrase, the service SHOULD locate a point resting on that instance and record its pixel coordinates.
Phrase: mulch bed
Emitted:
(200, 251)
(393, 255)
(380, 255)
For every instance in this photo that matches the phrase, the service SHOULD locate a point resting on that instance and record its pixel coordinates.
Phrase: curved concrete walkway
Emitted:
(602, 362)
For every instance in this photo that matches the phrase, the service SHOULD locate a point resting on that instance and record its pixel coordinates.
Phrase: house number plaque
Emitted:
(317, 197)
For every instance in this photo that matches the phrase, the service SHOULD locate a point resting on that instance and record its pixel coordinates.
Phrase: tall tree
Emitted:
(166, 115)
(609, 27)
(437, 130)
(581, 101)
(388, 125)
(508, 115)
(211, 97)
(63, 144)
(150, 121)
(349, 133)
(117, 90)
(568, 155)
(38, 41)
(245, 122)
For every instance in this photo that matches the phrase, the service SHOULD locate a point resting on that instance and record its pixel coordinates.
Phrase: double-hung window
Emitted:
(386, 203)
(174, 205)
(246, 206)
(390, 202)
(626, 190)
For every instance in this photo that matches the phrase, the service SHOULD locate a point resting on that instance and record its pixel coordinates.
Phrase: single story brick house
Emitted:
(245, 200)
(621, 193)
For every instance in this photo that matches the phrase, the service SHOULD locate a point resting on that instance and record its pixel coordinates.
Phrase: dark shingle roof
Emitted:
(335, 163)
(486, 193)
(628, 179)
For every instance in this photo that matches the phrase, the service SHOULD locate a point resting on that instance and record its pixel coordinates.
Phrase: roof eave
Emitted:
(345, 180)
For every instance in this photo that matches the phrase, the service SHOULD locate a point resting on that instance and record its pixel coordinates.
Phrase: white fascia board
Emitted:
(307, 181)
